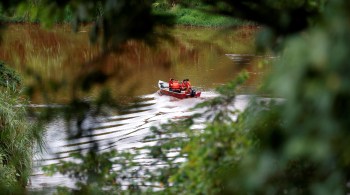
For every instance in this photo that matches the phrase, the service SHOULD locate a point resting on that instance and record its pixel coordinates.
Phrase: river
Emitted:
(208, 57)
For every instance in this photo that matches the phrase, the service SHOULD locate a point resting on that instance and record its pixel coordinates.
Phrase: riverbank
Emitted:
(194, 16)
(198, 17)
(18, 137)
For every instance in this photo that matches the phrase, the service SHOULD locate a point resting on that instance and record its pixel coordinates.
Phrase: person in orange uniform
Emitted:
(176, 87)
(171, 81)
(183, 85)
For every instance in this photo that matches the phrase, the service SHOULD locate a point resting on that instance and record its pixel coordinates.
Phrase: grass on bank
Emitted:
(25, 15)
(193, 17)
(18, 136)
(196, 16)
(183, 16)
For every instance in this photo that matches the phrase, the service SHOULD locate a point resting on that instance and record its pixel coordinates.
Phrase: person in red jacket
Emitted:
(186, 86)
(188, 82)
(171, 81)
(174, 85)
(183, 85)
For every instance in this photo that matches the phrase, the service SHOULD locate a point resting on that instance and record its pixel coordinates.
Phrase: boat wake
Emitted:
(122, 132)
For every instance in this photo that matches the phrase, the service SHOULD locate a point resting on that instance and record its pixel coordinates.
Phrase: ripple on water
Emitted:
(122, 132)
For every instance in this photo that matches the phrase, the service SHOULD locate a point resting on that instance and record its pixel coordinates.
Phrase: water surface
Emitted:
(208, 57)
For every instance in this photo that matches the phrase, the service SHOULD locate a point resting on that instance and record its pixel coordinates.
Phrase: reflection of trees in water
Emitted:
(136, 66)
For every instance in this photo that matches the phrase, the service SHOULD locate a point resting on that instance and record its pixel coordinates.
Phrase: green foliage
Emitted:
(8, 178)
(209, 155)
(48, 13)
(164, 5)
(8, 77)
(18, 137)
(196, 17)
(300, 141)
(310, 138)
(194, 13)
(284, 17)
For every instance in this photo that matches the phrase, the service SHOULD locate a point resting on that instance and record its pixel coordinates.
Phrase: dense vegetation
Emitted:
(193, 13)
(18, 137)
(294, 146)
(185, 13)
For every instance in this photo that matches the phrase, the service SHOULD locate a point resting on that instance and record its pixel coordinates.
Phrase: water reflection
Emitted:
(58, 56)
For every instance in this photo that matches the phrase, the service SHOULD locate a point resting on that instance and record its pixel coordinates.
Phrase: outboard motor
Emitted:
(193, 93)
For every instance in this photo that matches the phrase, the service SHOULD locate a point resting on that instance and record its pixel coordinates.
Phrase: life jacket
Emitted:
(176, 85)
(188, 87)
(183, 86)
(170, 83)
(188, 84)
